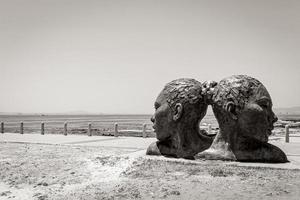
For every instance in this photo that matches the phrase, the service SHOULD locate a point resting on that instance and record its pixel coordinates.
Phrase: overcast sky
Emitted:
(115, 56)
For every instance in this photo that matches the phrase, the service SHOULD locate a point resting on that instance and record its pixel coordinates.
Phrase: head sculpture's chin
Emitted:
(163, 138)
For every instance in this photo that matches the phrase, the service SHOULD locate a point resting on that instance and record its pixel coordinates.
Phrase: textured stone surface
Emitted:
(179, 109)
(243, 109)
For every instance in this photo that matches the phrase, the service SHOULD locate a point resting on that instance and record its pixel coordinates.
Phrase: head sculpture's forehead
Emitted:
(238, 89)
(184, 90)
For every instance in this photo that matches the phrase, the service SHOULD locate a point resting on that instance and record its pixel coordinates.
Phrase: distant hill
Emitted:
(62, 113)
(10, 113)
(287, 111)
(78, 112)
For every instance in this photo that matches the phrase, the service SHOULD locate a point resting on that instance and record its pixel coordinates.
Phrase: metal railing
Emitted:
(287, 125)
(287, 130)
(116, 130)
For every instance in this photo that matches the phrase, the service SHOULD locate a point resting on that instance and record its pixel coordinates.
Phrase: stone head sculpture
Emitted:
(243, 109)
(179, 108)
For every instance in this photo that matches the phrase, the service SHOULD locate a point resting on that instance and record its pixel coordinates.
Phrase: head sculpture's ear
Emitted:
(178, 111)
(231, 109)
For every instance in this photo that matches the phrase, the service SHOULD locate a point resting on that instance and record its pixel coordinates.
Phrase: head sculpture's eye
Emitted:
(264, 103)
(264, 106)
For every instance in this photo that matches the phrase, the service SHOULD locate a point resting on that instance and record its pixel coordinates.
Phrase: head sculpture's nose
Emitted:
(152, 119)
(272, 119)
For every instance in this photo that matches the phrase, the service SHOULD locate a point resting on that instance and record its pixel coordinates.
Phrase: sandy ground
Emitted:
(35, 171)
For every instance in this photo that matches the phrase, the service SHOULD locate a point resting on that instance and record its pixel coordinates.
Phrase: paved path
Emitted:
(291, 149)
(104, 141)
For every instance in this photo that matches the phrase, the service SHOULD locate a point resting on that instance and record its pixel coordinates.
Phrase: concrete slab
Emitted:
(45, 139)
(122, 142)
(139, 144)
(106, 141)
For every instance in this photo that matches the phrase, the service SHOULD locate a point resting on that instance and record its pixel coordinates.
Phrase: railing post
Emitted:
(287, 133)
(144, 130)
(116, 130)
(42, 128)
(90, 129)
(209, 128)
(21, 128)
(2, 127)
(66, 128)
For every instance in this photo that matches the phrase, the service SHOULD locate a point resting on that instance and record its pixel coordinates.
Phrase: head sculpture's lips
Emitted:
(269, 131)
(153, 128)
(270, 128)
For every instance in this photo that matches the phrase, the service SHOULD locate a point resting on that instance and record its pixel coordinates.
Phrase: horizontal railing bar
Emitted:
(81, 121)
(85, 121)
